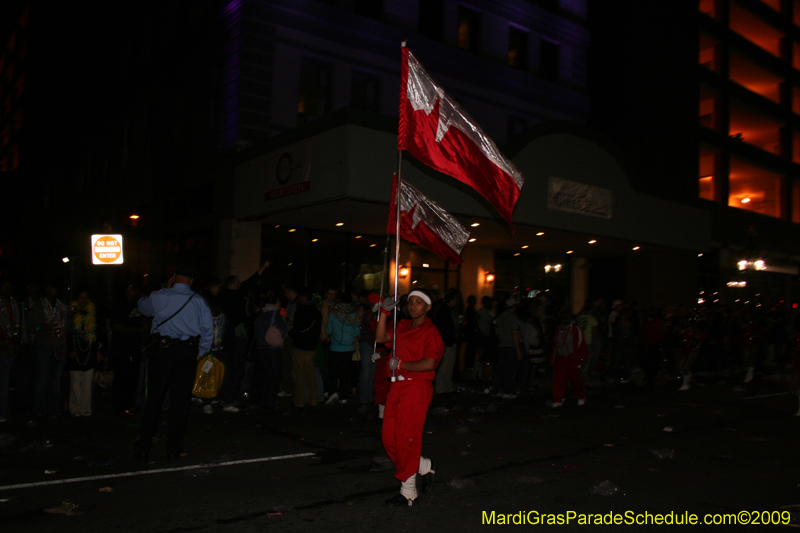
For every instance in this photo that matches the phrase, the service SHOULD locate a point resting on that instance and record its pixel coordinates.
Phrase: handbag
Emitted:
(208, 378)
(273, 337)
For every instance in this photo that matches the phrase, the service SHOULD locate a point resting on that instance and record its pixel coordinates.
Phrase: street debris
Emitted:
(461, 483)
(604, 488)
(38, 445)
(66, 508)
(664, 454)
(6, 439)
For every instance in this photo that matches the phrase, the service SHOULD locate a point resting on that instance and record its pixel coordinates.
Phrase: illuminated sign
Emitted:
(107, 249)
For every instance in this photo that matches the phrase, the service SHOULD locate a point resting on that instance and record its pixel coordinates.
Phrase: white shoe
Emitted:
(686, 382)
(508, 396)
(749, 377)
(284, 394)
(332, 399)
(230, 409)
(207, 409)
(551, 403)
(581, 402)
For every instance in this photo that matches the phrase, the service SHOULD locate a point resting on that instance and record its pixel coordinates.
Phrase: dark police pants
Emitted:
(169, 369)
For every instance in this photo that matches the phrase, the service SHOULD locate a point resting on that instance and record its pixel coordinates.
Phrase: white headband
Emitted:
(425, 297)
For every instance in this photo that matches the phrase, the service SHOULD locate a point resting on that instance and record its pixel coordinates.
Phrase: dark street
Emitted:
(712, 449)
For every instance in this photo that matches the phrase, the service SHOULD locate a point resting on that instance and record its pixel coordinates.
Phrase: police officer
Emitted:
(182, 332)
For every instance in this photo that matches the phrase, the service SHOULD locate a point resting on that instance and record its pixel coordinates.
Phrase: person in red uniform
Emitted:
(416, 354)
(569, 353)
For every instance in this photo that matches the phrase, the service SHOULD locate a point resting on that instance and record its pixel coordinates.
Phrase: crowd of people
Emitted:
(317, 346)
(322, 346)
(52, 353)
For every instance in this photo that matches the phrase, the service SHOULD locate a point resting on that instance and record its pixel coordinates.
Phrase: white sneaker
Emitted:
(581, 402)
(508, 396)
(551, 403)
(207, 409)
(284, 394)
(686, 382)
(230, 409)
(332, 399)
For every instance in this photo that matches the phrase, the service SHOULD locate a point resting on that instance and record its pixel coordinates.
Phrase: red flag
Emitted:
(435, 130)
(425, 223)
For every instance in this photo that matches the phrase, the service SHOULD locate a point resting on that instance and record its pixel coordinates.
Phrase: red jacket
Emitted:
(579, 351)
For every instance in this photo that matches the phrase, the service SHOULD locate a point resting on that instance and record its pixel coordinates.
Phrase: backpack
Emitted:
(273, 336)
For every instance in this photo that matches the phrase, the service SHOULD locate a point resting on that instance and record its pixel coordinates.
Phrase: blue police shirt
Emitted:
(193, 320)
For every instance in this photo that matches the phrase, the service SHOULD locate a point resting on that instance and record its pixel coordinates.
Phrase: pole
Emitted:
(383, 277)
(397, 253)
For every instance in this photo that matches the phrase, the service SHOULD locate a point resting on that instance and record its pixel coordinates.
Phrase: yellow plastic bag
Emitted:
(208, 378)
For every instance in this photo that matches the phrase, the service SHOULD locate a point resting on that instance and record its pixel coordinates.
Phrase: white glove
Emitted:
(386, 306)
(375, 356)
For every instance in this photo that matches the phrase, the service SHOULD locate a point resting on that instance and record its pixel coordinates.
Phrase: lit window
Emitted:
(709, 53)
(709, 100)
(754, 128)
(755, 30)
(707, 181)
(517, 48)
(761, 188)
(751, 76)
(709, 7)
(469, 29)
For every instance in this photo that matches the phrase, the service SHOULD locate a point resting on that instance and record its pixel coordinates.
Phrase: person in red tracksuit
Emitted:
(416, 354)
(569, 353)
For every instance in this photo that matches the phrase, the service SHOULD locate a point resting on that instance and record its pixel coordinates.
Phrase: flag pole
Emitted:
(397, 252)
(383, 278)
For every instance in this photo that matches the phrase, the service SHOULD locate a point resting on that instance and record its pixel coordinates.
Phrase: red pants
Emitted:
(566, 368)
(403, 420)
(381, 382)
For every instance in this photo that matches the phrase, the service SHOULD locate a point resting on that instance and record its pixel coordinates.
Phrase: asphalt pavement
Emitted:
(721, 451)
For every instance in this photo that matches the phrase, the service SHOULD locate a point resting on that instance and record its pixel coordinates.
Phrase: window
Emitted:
(431, 19)
(548, 60)
(709, 53)
(796, 13)
(430, 271)
(315, 82)
(364, 91)
(517, 48)
(708, 181)
(795, 201)
(755, 30)
(796, 100)
(750, 126)
(469, 29)
(774, 4)
(751, 76)
(755, 188)
(709, 108)
(709, 7)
